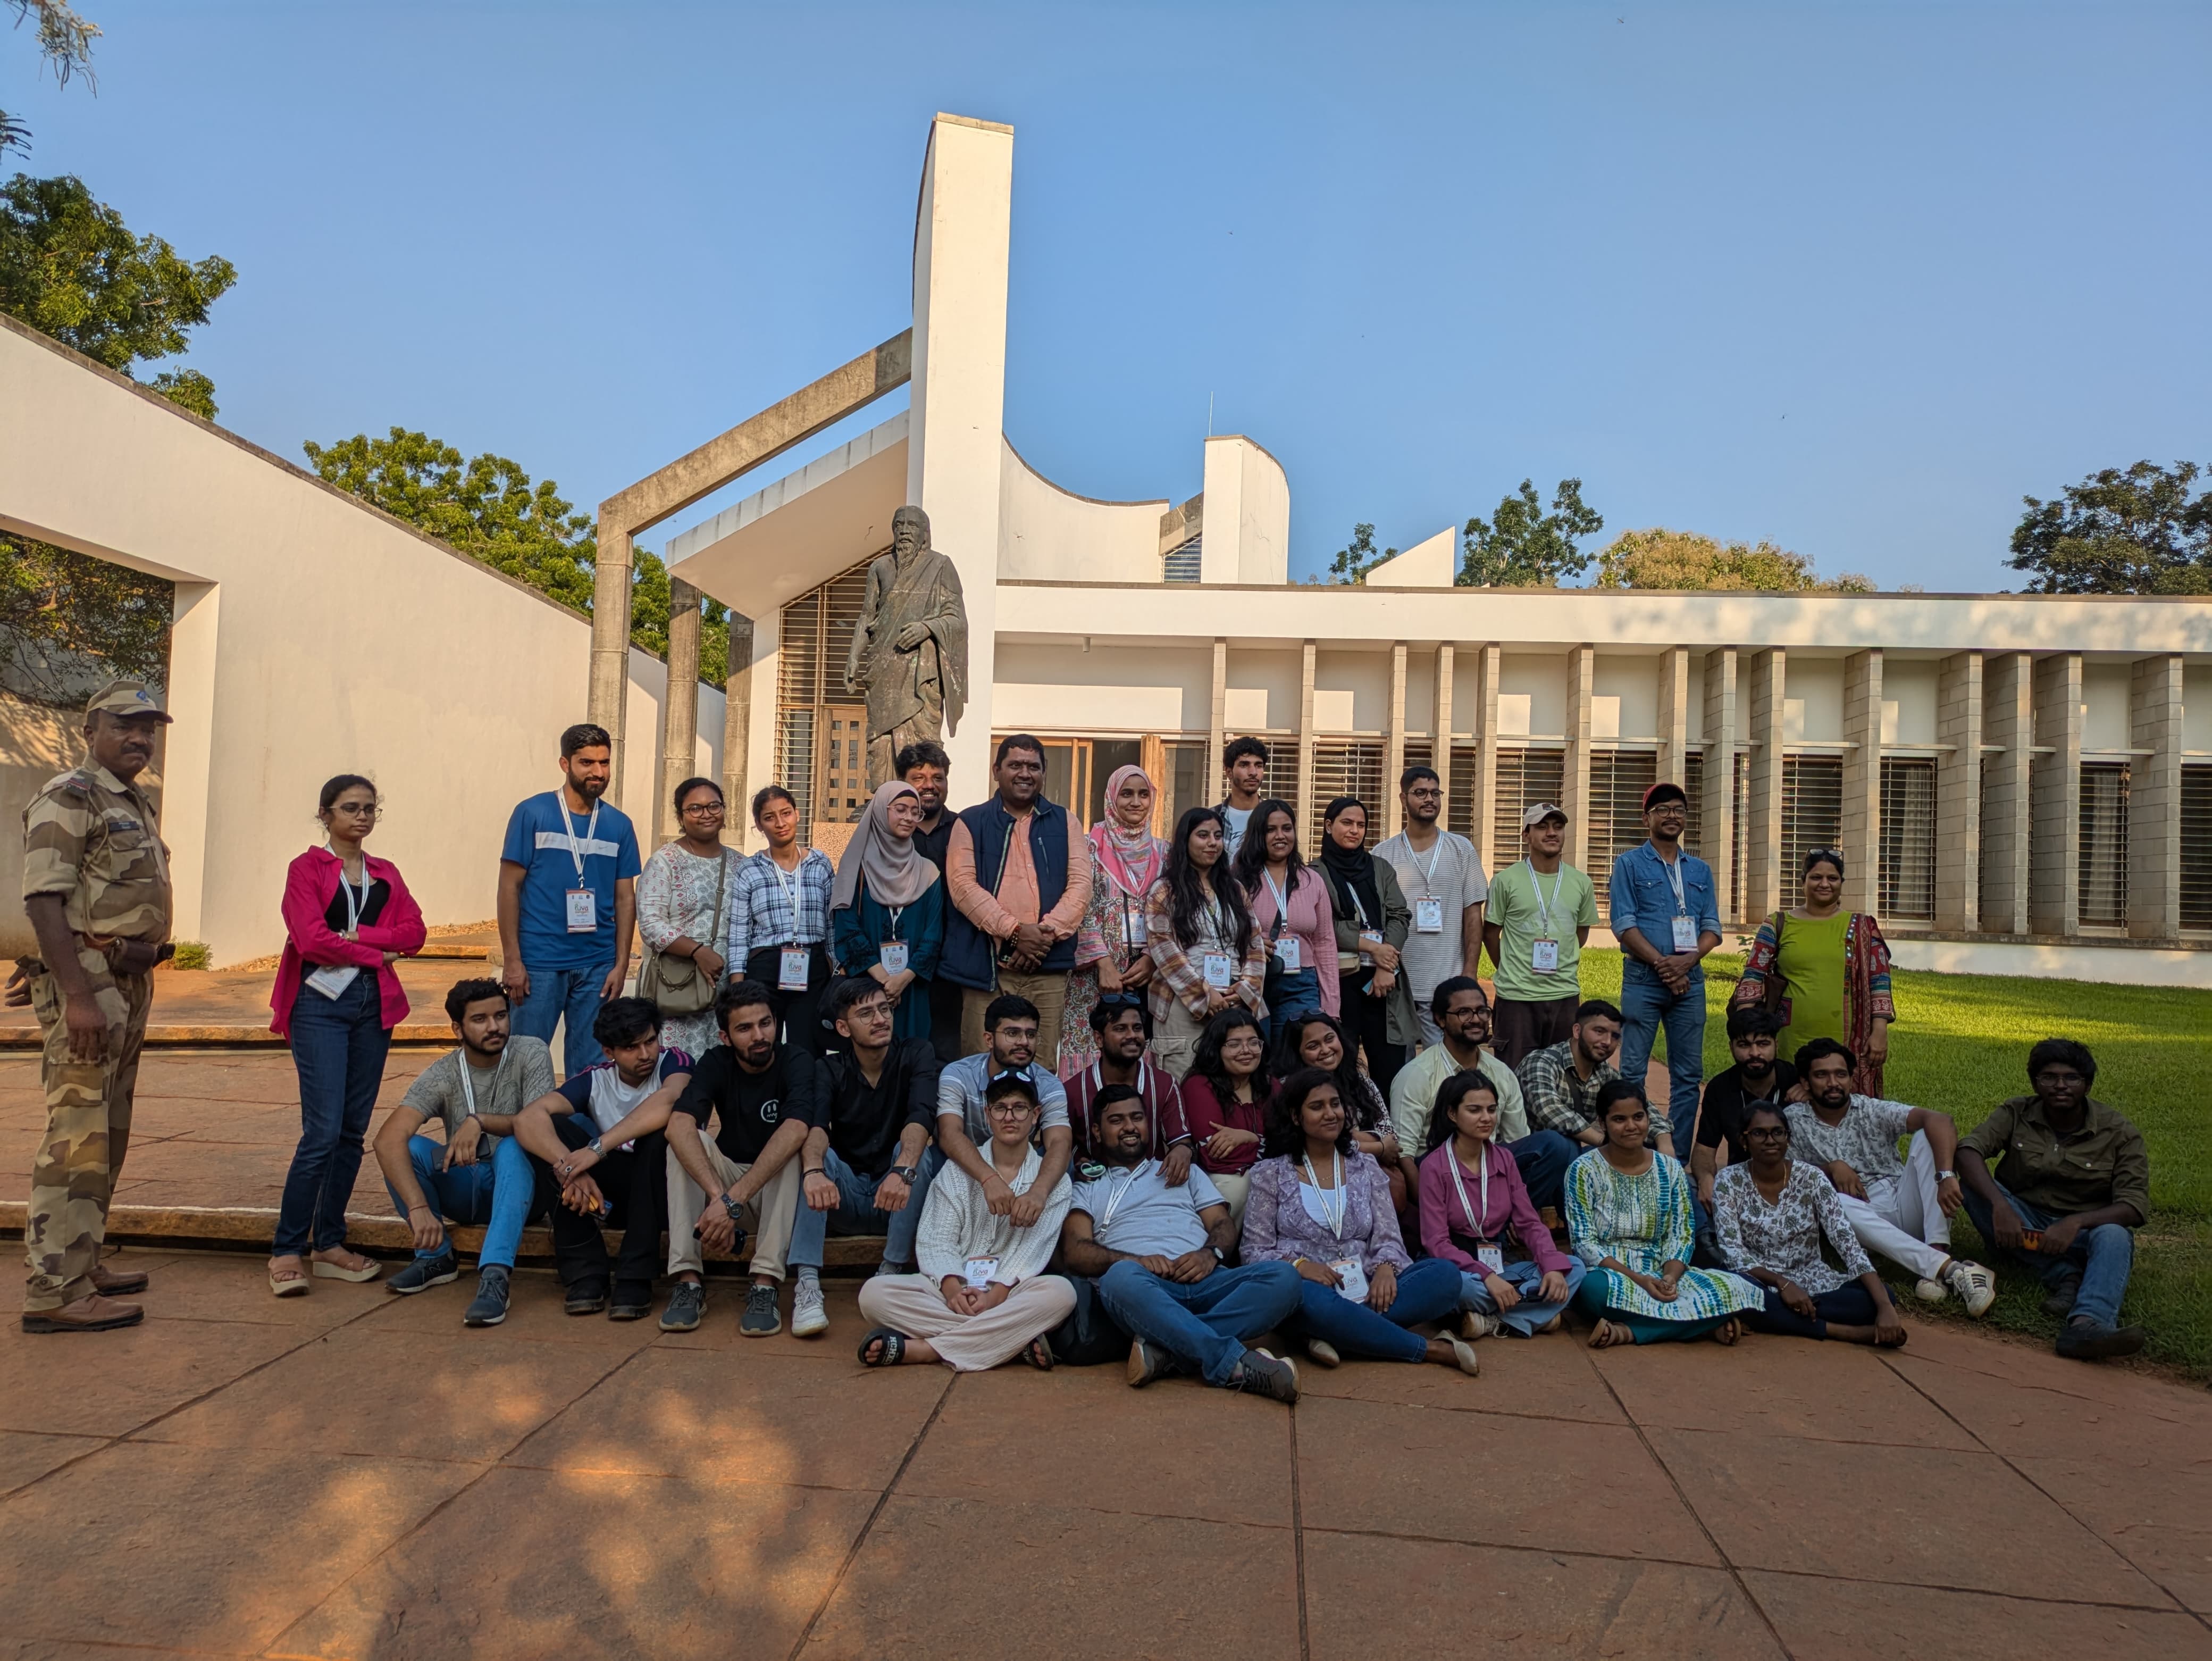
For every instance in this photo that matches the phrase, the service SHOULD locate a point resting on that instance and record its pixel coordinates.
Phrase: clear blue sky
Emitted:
(1853, 277)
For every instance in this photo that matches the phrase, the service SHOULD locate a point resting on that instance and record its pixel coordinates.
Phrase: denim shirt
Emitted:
(1643, 898)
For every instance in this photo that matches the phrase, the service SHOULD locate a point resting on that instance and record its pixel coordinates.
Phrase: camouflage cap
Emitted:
(127, 698)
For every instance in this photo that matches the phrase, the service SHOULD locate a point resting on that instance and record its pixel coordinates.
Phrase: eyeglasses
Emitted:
(1766, 1133)
(705, 808)
(358, 810)
(1009, 1107)
(1120, 1000)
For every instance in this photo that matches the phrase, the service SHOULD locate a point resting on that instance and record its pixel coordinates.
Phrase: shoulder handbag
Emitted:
(677, 986)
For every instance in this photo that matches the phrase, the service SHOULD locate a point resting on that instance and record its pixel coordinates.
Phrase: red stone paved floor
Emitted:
(351, 1474)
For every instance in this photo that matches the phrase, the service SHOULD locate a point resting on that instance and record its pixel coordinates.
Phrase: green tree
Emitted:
(488, 509)
(64, 42)
(1352, 563)
(70, 268)
(1659, 558)
(69, 620)
(2139, 531)
(1524, 547)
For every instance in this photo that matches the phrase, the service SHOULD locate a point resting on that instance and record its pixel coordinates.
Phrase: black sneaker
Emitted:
(1261, 1374)
(685, 1305)
(632, 1301)
(586, 1298)
(424, 1273)
(489, 1307)
(2084, 1339)
(2058, 1302)
(761, 1318)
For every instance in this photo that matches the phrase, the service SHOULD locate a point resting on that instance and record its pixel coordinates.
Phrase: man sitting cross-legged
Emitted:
(1901, 1208)
(603, 1162)
(1159, 1255)
(1010, 1027)
(761, 1093)
(481, 1174)
(982, 1293)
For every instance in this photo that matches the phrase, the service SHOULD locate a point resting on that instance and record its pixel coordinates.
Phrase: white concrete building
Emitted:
(2021, 783)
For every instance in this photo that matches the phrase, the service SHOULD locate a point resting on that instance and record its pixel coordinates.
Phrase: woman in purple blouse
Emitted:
(1322, 1205)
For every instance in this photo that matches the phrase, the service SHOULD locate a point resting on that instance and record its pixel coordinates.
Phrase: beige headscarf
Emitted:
(897, 872)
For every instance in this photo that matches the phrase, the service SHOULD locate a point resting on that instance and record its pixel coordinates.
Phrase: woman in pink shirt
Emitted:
(1476, 1214)
(1290, 907)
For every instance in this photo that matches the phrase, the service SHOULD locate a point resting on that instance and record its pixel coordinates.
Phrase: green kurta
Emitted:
(1809, 958)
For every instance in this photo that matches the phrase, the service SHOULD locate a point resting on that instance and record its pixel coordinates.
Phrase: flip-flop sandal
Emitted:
(292, 1283)
(1605, 1334)
(890, 1347)
(369, 1269)
(1039, 1356)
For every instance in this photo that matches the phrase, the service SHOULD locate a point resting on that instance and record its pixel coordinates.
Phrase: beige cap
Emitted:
(127, 698)
(1542, 811)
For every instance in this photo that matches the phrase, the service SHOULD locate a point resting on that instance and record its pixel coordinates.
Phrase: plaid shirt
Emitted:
(1558, 1099)
(1178, 979)
(761, 909)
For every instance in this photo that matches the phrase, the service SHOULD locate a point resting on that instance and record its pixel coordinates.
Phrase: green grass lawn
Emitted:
(1961, 1044)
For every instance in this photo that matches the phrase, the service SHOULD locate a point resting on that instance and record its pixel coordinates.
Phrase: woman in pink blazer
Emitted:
(347, 918)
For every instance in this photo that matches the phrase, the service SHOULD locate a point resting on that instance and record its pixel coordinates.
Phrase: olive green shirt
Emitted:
(2102, 1164)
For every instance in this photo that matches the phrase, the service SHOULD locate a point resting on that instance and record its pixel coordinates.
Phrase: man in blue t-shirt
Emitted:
(1667, 918)
(568, 900)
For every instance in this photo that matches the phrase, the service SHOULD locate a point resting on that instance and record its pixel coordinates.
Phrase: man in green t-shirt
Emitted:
(1540, 912)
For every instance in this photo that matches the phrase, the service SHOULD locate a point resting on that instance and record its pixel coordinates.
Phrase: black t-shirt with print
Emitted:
(750, 1106)
(1721, 1116)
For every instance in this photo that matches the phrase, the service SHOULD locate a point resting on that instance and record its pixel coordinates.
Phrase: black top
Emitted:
(1722, 1114)
(336, 915)
(749, 1105)
(933, 845)
(863, 1122)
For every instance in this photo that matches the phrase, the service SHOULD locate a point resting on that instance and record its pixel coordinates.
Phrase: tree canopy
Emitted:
(1353, 563)
(2138, 532)
(1522, 546)
(70, 268)
(488, 507)
(1658, 558)
(68, 622)
(63, 41)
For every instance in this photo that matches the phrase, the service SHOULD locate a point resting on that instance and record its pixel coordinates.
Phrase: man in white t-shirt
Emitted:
(602, 1160)
(1244, 766)
(1445, 887)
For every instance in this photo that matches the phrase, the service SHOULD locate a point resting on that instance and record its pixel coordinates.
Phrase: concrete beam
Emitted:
(2154, 799)
(1482, 800)
(2054, 854)
(1305, 802)
(1716, 813)
(1763, 880)
(1674, 712)
(1440, 749)
(1394, 744)
(679, 708)
(1574, 781)
(2008, 801)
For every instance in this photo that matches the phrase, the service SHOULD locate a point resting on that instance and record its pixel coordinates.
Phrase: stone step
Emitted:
(228, 1035)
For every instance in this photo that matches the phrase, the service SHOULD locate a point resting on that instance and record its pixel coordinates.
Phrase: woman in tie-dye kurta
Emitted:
(1628, 1212)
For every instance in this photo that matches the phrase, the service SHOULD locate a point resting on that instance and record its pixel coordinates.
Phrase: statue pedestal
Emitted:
(831, 839)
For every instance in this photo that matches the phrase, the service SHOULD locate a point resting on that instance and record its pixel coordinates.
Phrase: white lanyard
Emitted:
(897, 911)
(353, 908)
(1674, 869)
(1358, 906)
(1544, 906)
(793, 885)
(1474, 1220)
(590, 833)
(1114, 1201)
(1334, 1216)
(1428, 871)
(1282, 900)
(468, 1086)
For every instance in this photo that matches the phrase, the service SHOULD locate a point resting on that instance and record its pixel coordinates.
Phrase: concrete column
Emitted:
(2154, 799)
(608, 693)
(1959, 792)
(679, 707)
(1305, 802)
(1394, 744)
(955, 410)
(2054, 853)
(187, 758)
(1482, 801)
(736, 729)
(1674, 734)
(1860, 827)
(1762, 837)
(1220, 737)
(2008, 703)
(766, 742)
(1440, 747)
(1716, 813)
(1574, 779)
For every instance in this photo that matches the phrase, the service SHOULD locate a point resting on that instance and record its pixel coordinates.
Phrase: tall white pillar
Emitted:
(188, 758)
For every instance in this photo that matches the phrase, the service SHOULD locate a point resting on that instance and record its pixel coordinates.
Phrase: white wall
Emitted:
(1365, 676)
(1263, 683)
(1048, 534)
(1635, 682)
(2105, 690)
(1909, 692)
(1108, 689)
(1247, 514)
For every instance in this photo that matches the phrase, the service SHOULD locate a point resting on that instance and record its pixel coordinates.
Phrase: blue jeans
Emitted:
(339, 1045)
(575, 994)
(495, 1191)
(1428, 1291)
(2103, 1256)
(1298, 994)
(1646, 1005)
(856, 1212)
(1203, 1325)
(1525, 1317)
(1543, 1157)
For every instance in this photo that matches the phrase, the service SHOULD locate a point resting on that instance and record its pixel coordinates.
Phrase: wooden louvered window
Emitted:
(2103, 852)
(1907, 884)
(1617, 779)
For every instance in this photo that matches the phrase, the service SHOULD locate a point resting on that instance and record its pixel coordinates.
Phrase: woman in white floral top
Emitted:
(684, 904)
(1770, 1213)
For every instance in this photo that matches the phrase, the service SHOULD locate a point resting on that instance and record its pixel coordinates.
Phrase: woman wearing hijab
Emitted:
(1372, 921)
(1126, 860)
(887, 908)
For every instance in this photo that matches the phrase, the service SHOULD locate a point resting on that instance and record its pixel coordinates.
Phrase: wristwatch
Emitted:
(1946, 1176)
(737, 1212)
(903, 1172)
(1220, 1256)
(593, 1145)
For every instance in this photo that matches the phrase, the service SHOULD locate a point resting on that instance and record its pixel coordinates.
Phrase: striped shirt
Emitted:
(769, 906)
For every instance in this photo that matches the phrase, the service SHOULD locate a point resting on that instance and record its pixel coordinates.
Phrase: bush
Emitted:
(193, 954)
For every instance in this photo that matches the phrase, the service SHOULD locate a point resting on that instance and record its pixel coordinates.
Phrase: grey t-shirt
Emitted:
(1138, 1213)
(961, 1086)
(1865, 1139)
(524, 1073)
(1240, 819)
(1449, 871)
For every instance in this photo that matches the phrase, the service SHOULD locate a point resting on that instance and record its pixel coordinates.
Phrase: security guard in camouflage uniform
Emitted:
(96, 886)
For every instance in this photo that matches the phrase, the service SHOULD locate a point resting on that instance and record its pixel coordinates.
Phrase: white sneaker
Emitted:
(1976, 1287)
(808, 1318)
(1475, 1324)
(1929, 1292)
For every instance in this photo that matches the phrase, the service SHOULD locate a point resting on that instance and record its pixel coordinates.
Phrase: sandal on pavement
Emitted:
(1728, 1331)
(289, 1282)
(890, 1347)
(1463, 1352)
(324, 1269)
(1039, 1355)
(1605, 1334)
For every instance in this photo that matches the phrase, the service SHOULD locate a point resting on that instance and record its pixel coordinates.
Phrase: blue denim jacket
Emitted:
(1643, 898)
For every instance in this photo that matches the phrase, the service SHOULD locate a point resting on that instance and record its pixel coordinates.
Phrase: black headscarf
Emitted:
(1352, 869)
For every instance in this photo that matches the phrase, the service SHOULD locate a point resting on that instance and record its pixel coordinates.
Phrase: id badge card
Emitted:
(1369, 940)
(1219, 971)
(980, 1271)
(892, 956)
(1685, 933)
(1132, 930)
(791, 969)
(1286, 953)
(1353, 1279)
(583, 911)
(1491, 1257)
(1544, 956)
(1429, 915)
